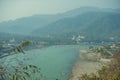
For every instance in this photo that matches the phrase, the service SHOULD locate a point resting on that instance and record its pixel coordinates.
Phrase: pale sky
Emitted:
(12, 9)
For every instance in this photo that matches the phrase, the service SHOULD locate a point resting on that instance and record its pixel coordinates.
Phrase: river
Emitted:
(56, 62)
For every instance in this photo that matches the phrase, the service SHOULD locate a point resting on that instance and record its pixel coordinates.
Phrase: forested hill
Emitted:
(29, 24)
(92, 24)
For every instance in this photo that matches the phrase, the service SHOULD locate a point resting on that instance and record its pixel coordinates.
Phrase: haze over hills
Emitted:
(87, 21)
(82, 10)
(27, 24)
(97, 24)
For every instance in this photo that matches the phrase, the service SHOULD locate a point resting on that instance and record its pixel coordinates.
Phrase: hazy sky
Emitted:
(12, 9)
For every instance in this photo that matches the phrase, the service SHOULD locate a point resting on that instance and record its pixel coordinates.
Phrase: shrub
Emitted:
(110, 72)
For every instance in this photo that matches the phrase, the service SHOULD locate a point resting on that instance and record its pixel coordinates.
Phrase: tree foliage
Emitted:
(19, 71)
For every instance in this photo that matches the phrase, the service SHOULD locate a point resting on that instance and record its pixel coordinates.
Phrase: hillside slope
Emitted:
(92, 24)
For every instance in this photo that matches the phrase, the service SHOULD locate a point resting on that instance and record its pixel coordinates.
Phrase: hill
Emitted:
(98, 25)
(29, 24)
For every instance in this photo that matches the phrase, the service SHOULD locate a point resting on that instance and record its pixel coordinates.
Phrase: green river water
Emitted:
(55, 62)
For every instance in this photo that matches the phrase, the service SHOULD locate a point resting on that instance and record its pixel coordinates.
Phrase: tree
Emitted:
(18, 72)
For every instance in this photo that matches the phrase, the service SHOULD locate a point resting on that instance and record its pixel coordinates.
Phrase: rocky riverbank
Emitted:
(85, 64)
(82, 67)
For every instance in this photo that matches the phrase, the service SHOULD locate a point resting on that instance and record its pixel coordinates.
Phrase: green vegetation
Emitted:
(17, 49)
(95, 26)
(16, 69)
(93, 23)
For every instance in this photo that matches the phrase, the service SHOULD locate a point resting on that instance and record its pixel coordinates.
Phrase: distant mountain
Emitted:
(29, 24)
(82, 10)
(92, 25)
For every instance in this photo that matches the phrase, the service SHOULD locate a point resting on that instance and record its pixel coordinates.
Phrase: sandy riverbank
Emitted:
(84, 66)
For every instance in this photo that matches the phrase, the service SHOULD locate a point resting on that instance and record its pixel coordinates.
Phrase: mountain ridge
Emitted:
(88, 24)
(31, 24)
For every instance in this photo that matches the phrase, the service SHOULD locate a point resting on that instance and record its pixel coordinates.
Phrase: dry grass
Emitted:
(112, 72)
